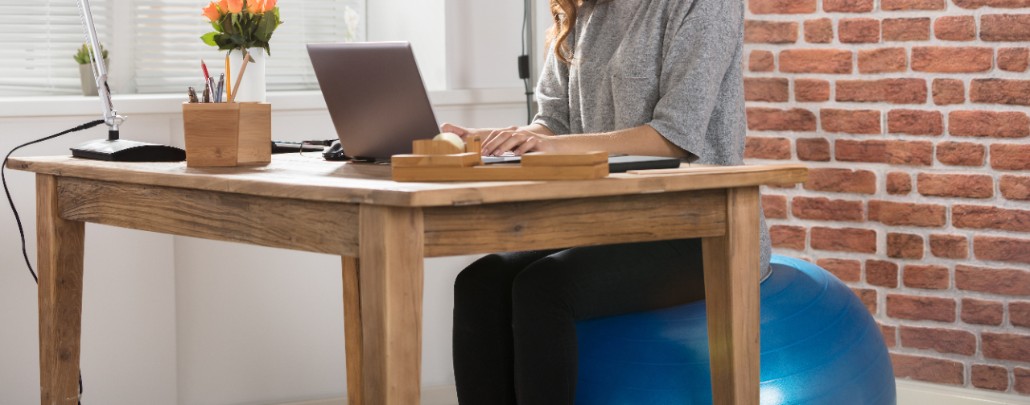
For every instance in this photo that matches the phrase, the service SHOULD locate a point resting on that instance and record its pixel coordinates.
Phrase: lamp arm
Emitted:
(111, 117)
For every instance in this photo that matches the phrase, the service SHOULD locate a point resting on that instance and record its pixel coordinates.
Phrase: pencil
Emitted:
(228, 77)
(243, 68)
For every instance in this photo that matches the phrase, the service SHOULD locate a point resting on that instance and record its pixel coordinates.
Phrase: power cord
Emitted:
(524, 63)
(17, 218)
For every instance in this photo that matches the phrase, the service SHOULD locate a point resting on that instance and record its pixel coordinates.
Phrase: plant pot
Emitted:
(252, 84)
(89, 83)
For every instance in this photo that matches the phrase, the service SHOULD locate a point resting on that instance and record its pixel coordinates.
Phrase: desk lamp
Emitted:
(112, 148)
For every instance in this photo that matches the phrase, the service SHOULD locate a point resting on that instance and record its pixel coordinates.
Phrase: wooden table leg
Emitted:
(352, 328)
(60, 245)
(390, 276)
(732, 298)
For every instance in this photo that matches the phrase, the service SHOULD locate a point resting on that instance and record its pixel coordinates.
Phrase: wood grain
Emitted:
(227, 134)
(574, 222)
(292, 224)
(467, 159)
(732, 299)
(500, 173)
(60, 245)
(312, 178)
(391, 303)
(352, 329)
(553, 159)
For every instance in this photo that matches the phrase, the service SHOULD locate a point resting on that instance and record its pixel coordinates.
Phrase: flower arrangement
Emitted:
(241, 24)
(85, 54)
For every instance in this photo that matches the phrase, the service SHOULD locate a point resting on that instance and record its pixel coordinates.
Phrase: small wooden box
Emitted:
(227, 134)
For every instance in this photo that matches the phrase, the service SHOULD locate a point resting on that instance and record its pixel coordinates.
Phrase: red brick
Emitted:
(927, 369)
(781, 6)
(897, 91)
(904, 246)
(916, 153)
(774, 119)
(757, 147)
(1010, 156)
(927, 277)
(993, 281)
(841, 181)
(920, 308)
(819, 31)
(881, 273)
(1013, 59)
(1019, 313)
(844, 239)
(896, 5)
(955, 185)
(948, 91)
(939, 340)
(815, 61)
(811, 90)
(790, 237)
(1006, 346)
(770, 32)
(761, 61)
(1022, 376)
(825, 209)
(990, 377)
(961, 153)
(982, 312)
(906, 29)
(848, 6)
(889, 335)
(955, 28)
(949, 246)
(858, 30)
(882, 60)
(1000, 91)
(774, 206)
(1002, 249)
(867, 296)
(974, 4)
(915, 122)
(990, 217)
(813, 149)
(904, 213)
(1015, 187)
(844, 269)
(899, 183)
(996, 124)
(1005, 27)
(772, 89)
(965, 59)
(850, 121)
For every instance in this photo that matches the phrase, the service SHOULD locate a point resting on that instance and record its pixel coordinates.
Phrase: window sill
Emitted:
(53, 106)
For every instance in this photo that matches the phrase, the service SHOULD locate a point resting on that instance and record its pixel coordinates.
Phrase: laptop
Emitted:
(375, 96)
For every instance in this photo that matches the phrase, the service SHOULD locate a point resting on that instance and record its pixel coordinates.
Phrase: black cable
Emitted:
(524, 63)
(17, 218)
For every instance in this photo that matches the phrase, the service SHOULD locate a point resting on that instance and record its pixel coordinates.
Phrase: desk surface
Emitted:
(312, 178)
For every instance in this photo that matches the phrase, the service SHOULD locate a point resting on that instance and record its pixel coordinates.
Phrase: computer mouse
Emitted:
(335, 152)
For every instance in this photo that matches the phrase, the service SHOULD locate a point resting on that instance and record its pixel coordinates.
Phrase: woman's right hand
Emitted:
(464, 133)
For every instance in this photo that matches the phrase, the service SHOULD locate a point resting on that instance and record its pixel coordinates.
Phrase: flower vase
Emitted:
(89, 83)
(252, 84)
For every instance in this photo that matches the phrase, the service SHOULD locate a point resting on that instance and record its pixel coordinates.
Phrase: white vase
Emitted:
(252, 84)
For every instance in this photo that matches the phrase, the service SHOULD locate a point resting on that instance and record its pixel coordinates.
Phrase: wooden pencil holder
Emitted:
(227, 134)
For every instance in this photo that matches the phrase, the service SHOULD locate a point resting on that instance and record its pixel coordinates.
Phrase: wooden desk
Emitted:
(383, 230)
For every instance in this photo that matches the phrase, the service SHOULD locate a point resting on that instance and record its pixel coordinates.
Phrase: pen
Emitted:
(221, 88)
(203, 66)
(207, 93)
(192, 94)
(211, 85)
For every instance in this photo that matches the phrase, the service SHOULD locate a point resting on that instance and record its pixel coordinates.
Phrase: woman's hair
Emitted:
(564, 13)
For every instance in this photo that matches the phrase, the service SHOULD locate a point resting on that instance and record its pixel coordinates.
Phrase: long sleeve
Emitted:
(552, 95)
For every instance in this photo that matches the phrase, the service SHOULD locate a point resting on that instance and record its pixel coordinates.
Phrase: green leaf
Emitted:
(209, 38)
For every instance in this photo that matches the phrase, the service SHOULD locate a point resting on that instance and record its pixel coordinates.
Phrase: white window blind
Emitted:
(40, 36)
(37, 42)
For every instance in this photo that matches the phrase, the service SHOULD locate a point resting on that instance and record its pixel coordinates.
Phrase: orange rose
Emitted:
(223, 5)
(255, 6)
(211, 12)
(235, 6)
(269, 5)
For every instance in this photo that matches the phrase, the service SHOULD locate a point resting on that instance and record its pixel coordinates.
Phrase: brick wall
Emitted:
(913, 117)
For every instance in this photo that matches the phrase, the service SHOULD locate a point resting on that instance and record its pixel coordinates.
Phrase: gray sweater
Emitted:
(672, 64)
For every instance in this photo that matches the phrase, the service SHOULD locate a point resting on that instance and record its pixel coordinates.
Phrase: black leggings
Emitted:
(515, 313)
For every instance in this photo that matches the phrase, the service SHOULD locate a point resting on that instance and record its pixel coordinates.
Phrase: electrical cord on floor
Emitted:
(17, 218)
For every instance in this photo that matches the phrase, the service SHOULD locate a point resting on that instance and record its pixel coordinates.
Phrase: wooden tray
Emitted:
(436, 160)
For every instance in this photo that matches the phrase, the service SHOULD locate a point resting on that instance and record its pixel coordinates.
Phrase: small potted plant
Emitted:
(245, 26)
(84, 56)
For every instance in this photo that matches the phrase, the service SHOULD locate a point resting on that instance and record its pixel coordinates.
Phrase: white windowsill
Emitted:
(51, 106)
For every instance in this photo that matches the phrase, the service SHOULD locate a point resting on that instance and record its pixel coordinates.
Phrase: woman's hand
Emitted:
(517, 141)
(465, 133)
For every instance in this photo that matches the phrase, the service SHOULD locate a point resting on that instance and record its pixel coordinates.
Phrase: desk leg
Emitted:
(352, 328)
(390, 277)
(59, 261)
(732, 298)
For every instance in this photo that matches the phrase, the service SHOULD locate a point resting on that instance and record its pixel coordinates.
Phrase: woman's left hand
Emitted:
(517, 141)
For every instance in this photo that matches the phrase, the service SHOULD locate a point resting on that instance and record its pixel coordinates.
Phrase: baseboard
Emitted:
(909, 393)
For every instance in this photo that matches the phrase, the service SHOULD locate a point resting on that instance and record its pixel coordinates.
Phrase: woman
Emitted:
(641, 77)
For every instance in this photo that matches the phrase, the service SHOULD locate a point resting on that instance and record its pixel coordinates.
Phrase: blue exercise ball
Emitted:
(819, 345)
